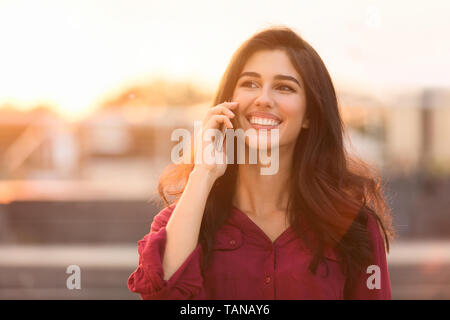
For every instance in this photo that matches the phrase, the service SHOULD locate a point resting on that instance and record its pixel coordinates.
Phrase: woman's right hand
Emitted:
(217, 117)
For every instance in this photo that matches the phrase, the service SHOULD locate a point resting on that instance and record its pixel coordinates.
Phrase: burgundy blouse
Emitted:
(247, 265)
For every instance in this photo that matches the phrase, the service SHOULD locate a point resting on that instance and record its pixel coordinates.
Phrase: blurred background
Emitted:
(90, 92)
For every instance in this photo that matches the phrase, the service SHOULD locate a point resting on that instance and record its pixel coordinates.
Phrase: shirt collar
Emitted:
(240, 220)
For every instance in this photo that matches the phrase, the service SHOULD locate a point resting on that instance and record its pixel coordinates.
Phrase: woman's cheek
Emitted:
(242, 98)
(293, 116)
(292, 106)
(238, 93)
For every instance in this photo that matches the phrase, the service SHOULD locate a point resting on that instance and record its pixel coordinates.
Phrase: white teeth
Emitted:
(264, 121)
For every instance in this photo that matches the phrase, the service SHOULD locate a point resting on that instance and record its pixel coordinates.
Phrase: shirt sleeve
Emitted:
(374, 282)
(148, 278)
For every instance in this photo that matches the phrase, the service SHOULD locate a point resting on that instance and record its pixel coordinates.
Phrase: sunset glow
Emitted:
(71, 54)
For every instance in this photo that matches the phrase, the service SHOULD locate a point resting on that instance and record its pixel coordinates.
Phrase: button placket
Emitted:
(269, 271)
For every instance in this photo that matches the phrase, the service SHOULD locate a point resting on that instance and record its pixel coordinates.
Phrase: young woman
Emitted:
(315, 229)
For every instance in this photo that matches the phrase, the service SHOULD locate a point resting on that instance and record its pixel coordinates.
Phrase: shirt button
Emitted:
(232, 242)
(267, 280)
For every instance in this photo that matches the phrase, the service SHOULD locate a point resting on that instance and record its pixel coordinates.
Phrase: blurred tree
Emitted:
(158, 92)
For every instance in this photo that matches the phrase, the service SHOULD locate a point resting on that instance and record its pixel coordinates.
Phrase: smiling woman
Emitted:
(270, 100)
(316, 229)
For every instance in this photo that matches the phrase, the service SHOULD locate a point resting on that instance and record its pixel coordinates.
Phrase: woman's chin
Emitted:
(261, 145)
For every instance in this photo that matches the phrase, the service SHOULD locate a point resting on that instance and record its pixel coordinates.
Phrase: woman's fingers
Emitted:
(217, 120)
(223, 108)
(229, 104)
(219, 116)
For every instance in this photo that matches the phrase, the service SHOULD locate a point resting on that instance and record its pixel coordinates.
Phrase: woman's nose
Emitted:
(264, 99)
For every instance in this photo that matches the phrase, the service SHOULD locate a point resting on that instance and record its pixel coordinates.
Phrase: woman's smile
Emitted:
(263, 120)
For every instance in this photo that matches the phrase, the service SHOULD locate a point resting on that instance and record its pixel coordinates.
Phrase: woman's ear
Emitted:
(305, 123)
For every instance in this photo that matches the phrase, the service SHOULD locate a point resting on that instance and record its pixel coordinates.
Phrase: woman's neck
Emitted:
(260, 195)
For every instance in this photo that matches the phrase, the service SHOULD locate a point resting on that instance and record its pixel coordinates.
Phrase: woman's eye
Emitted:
(287, 87)
(247, 83)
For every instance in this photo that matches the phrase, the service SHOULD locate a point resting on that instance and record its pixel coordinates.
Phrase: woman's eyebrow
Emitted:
(276, 77)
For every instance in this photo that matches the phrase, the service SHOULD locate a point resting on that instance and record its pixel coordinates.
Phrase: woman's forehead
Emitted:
(269, 63)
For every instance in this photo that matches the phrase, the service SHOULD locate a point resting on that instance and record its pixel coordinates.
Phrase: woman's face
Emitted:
(271, 95)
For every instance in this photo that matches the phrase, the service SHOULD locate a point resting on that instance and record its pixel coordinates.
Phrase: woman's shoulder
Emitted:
(373, 225)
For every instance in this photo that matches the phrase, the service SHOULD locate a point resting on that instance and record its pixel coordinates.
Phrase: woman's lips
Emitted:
(263, 115)
(263, 123)
(263, 120)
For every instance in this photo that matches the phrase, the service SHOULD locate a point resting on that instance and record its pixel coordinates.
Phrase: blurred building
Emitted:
(36, 144)
(137, 131)
(418, 131)
(404, 133)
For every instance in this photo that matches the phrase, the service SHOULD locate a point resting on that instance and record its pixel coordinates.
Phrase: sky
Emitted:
(72, 54)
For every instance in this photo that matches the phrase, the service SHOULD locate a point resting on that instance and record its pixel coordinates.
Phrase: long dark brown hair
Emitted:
(331, 192)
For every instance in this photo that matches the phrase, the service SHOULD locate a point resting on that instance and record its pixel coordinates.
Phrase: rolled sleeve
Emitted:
(148, 278)
(364, 288)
